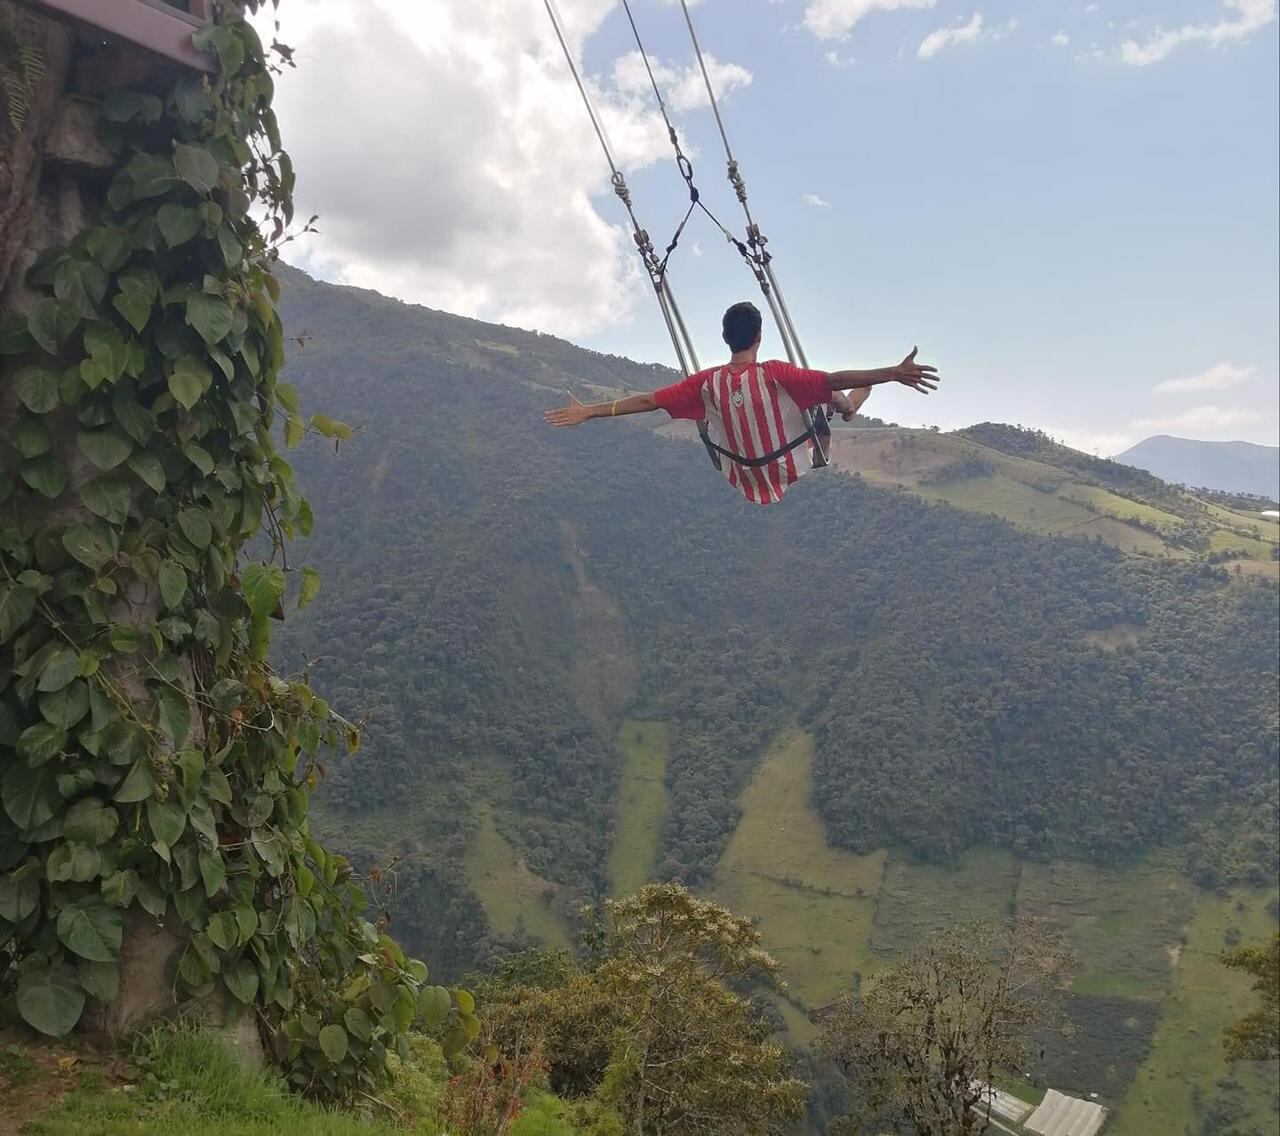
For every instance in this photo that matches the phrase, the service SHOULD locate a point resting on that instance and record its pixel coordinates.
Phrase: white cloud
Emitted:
(684, 89)
(943, 38)
(1060, 39)
(1200, 420)
(1091, 441)
(1208, 423)
(815, 200)
(1240, 20)
(832, 19)
(1221, 376)
(449, 156)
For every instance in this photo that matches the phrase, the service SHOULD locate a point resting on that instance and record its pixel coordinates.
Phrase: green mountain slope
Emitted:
(960, 674)
(486, 576)
(1044, 487)
(972, 681)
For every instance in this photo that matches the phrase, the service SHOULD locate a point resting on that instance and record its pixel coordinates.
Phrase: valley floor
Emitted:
(1149, 1000)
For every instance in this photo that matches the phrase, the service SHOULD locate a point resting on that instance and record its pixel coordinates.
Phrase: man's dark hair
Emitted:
(741, 326)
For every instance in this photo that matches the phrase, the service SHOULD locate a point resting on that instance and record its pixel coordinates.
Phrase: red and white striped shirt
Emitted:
(752, 410)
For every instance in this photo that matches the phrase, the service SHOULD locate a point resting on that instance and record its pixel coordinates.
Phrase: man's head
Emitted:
(741, 326)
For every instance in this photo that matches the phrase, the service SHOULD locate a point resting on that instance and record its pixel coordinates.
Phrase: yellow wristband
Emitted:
(613, 409)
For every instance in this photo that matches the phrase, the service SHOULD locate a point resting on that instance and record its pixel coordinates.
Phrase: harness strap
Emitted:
(712, 448)
(765, 459)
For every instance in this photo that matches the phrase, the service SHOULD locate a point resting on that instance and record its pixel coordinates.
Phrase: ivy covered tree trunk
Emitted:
(154, 770)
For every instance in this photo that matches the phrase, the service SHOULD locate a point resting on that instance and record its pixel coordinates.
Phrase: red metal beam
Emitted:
(150, 24)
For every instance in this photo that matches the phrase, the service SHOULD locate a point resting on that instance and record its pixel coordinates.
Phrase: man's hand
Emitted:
(571, 415)
(917, 376)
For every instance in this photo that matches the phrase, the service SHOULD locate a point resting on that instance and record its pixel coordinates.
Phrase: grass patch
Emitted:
(516, 900)
(1185, 1072)
(193, 1085)
(1267, 571)
(1264, 528)
(1013, 500)
(1126, 924)
(1125, 537)
(183, 1082)
(799, 1028)
(1115, 637)
(814, 903)
(918, 899)
(642, 805)
(1038, 496)
(501, 348)
(1025, 1088)
(1103, 1042)
(1122, 508)
(1226, 541)
(375, 828)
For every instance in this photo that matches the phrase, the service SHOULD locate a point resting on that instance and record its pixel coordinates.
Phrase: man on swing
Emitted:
(755, 411)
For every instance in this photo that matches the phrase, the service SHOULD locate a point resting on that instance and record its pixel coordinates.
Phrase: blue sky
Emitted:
(1071, 207)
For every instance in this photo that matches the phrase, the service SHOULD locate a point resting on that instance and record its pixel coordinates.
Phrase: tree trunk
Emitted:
(53, 178)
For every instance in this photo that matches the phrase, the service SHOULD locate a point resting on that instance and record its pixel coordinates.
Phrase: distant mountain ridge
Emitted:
(1236, 467)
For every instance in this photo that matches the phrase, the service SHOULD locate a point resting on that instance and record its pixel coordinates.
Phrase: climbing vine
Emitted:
(151, 760)
(21, 68)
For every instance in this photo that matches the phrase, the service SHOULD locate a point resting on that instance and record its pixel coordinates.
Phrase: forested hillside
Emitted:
(497, 594)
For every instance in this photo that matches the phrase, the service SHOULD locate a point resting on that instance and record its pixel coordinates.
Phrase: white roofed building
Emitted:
(1061, 1115)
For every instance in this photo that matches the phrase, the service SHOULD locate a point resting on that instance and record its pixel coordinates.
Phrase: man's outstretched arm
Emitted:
(577, 412)
(917, 376)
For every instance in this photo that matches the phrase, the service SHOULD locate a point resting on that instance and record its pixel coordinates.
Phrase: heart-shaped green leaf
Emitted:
(149, 469)
(358, 1024)
(178, 224)
(73, 863)
(50, 1001)
(333, 1042)
(45, 474)
(119, 888)
(173, 583)
(31, 437)
(106, 448)
(100, 980)
(175, 716)
(92, 930)
(139, 784)
(90, 822)
(242, 981)
(93, 544)
(82, 284)
(211, 316)
(17, 602)
(189, 380)
(213, 871)
(167, 820)
(37, 389)
(20, 892)
(40, 743)
(65, 708)
(59, 669)
(197, 167)
(195, 526)
(263, 586)
(108, 497)
(51, 322)
(434, 1004)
